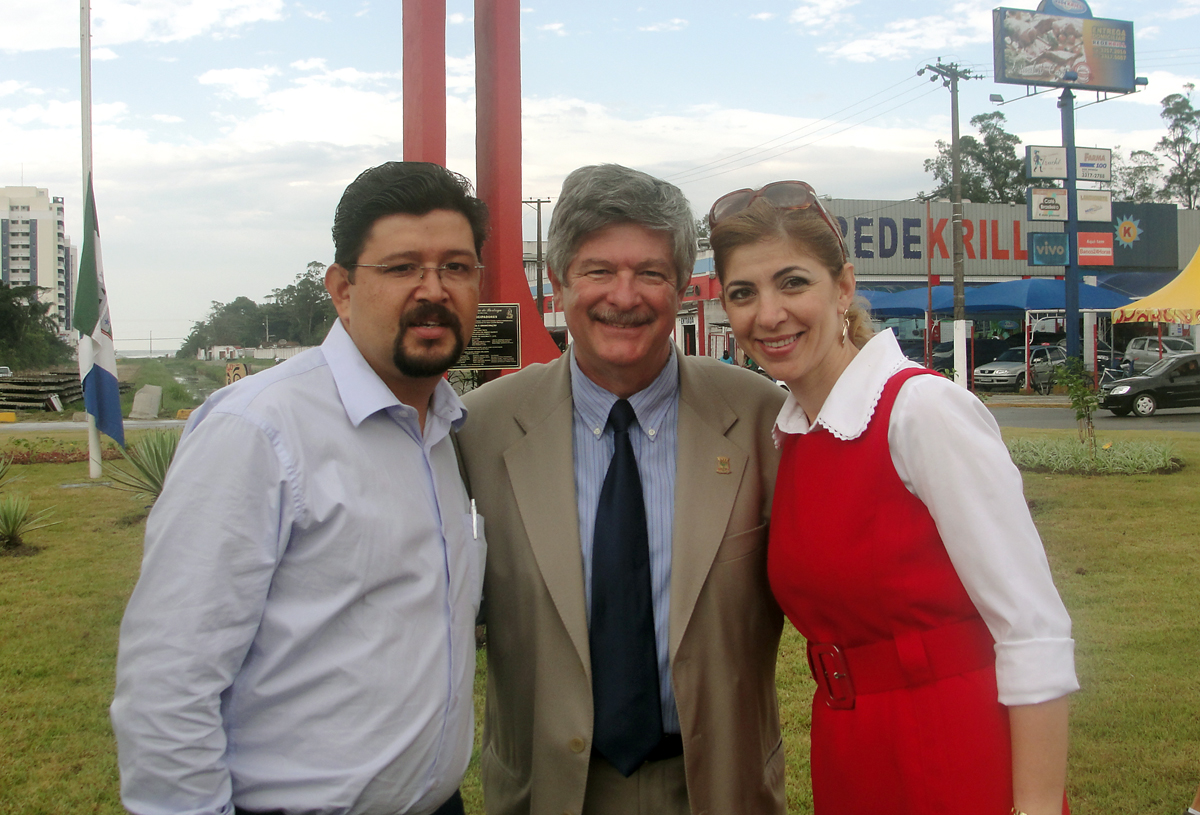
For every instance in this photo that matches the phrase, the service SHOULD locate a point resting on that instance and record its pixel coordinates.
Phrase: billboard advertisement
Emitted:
(1030, 48)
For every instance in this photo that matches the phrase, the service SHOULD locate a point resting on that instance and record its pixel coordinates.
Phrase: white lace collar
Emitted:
(851, 404)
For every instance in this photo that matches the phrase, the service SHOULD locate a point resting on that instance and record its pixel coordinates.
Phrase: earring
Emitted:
(846, 328)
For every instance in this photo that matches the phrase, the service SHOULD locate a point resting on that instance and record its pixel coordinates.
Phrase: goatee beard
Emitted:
(424, 366)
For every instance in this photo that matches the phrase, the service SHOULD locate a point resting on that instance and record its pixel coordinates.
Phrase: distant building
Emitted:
(35, 250)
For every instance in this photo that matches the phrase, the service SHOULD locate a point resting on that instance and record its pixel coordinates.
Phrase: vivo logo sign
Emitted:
(1048, 249)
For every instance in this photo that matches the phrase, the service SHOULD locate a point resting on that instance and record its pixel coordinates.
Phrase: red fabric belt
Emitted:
(910, 659)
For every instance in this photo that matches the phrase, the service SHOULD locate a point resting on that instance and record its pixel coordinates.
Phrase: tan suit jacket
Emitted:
(724, 622)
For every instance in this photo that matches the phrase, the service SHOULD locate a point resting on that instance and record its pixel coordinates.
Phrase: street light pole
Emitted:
(950, 73)
(541, 298)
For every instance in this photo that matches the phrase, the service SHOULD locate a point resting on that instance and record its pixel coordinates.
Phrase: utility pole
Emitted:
(950, 73)
(541, 299)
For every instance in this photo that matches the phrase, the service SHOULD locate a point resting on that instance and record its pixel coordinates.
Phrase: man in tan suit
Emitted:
(629, 671)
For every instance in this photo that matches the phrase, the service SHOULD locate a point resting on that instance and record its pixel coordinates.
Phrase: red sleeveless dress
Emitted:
(905, 719)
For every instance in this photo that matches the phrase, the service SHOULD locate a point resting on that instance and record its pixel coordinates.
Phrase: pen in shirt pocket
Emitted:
(474, 521)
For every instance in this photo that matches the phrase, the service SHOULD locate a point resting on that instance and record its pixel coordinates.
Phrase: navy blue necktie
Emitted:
(625, 693)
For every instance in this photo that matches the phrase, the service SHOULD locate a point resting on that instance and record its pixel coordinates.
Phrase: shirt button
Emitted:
(651, 432)
(596, 431)
(577, 745)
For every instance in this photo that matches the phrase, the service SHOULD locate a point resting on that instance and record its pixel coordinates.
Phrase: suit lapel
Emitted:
(542, 473)
(708, 471)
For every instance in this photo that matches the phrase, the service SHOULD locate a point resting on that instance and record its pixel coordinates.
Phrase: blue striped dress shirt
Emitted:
(655, 441)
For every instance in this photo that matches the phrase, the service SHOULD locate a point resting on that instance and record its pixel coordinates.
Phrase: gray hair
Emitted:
(603, 195)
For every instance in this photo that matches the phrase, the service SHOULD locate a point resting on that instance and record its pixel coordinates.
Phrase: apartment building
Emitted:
(35, 250)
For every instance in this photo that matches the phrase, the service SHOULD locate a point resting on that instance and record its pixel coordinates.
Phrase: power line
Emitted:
(763, 145)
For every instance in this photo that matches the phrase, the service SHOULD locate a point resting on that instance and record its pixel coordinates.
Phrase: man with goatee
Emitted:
(301, 638)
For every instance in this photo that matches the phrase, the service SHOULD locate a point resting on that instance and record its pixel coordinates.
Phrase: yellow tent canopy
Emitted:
(1176, 302)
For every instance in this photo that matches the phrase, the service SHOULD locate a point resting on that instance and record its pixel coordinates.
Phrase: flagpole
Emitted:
(85, 101)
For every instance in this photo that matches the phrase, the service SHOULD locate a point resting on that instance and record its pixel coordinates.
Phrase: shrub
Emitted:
(1064, 456)
(16, 522)
(151, 457)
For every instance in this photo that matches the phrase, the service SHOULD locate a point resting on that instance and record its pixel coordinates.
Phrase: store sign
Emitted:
(1045, 162)
(1093, 164)
(1048, 249)
(1095, 249)
(1094, 205)
(1046, 204)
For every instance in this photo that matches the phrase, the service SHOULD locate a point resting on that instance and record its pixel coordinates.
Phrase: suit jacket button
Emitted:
(577, 745)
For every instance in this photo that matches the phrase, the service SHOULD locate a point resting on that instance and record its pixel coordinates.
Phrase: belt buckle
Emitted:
(832, 673)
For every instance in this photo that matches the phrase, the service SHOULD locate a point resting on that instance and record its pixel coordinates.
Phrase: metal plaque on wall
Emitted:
(496, 341)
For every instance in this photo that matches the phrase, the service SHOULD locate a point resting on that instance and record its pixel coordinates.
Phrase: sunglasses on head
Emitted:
(786, 195)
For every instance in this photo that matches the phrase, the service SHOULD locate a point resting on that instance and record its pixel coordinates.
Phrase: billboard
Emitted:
(1030, 48)
(1094, 205)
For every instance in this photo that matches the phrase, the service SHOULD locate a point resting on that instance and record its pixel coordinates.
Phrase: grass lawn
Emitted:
(1125, 551)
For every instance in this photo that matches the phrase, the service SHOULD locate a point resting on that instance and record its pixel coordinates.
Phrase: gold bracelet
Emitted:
(1016, 811)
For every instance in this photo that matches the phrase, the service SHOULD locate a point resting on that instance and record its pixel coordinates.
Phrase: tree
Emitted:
(301, 313)
(1137, 179)
(1181, 147)
(992, 172)
(28, 337)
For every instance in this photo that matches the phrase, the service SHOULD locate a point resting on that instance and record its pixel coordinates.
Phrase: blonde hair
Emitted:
(803, 229)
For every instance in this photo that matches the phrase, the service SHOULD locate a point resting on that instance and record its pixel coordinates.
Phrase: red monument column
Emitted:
(498, 167)
(424, 31)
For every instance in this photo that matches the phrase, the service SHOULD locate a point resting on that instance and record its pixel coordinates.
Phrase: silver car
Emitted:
(1008, 371)
(1145, 351)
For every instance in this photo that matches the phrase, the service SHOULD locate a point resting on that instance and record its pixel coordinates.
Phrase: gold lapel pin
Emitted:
(723, 465)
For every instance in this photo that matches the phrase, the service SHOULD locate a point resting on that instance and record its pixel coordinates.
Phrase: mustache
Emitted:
(623, 319)
(430, 313)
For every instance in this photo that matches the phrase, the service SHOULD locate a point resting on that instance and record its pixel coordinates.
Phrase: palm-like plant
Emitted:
(5, 478)
(151, 457)
(16, 522)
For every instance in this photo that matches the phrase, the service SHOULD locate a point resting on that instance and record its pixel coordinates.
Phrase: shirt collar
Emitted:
(651, 405)
(851, 404)
(364, 394)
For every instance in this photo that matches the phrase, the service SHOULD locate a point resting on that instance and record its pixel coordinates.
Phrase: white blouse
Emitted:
(947, 449)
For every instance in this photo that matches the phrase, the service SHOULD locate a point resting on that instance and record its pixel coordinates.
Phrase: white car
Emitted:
(1145, 351)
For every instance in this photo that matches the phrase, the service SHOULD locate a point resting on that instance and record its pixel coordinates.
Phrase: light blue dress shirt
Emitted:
(302, 636)
(655, 442)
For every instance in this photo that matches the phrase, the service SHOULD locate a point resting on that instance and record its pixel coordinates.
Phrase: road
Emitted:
(27, 428)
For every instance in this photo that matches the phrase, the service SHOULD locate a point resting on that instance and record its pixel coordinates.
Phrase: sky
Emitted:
(226, 130)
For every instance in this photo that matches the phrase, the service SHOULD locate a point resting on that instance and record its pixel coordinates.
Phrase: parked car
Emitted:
(1173, 381)
(979, 351)
(1008, 370)
(5, 370)
(1145, 351)
(1105, 358)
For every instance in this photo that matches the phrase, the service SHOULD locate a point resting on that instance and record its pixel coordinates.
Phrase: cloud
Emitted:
(10, 86)
(817, 16)
(554, 28)
(1183, 9)
(315, 15)
(166, 118)
(103, 54)
(44, 24)
(247, 83)
(763, 15)
(674, 24)
(313, 64)
(967, 24)
(457, 18)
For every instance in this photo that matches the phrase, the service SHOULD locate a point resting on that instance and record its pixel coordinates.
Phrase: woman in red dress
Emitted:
(901, 545)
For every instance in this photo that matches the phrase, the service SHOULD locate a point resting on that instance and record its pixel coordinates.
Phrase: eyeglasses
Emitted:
(448, 273)
(786, 195)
